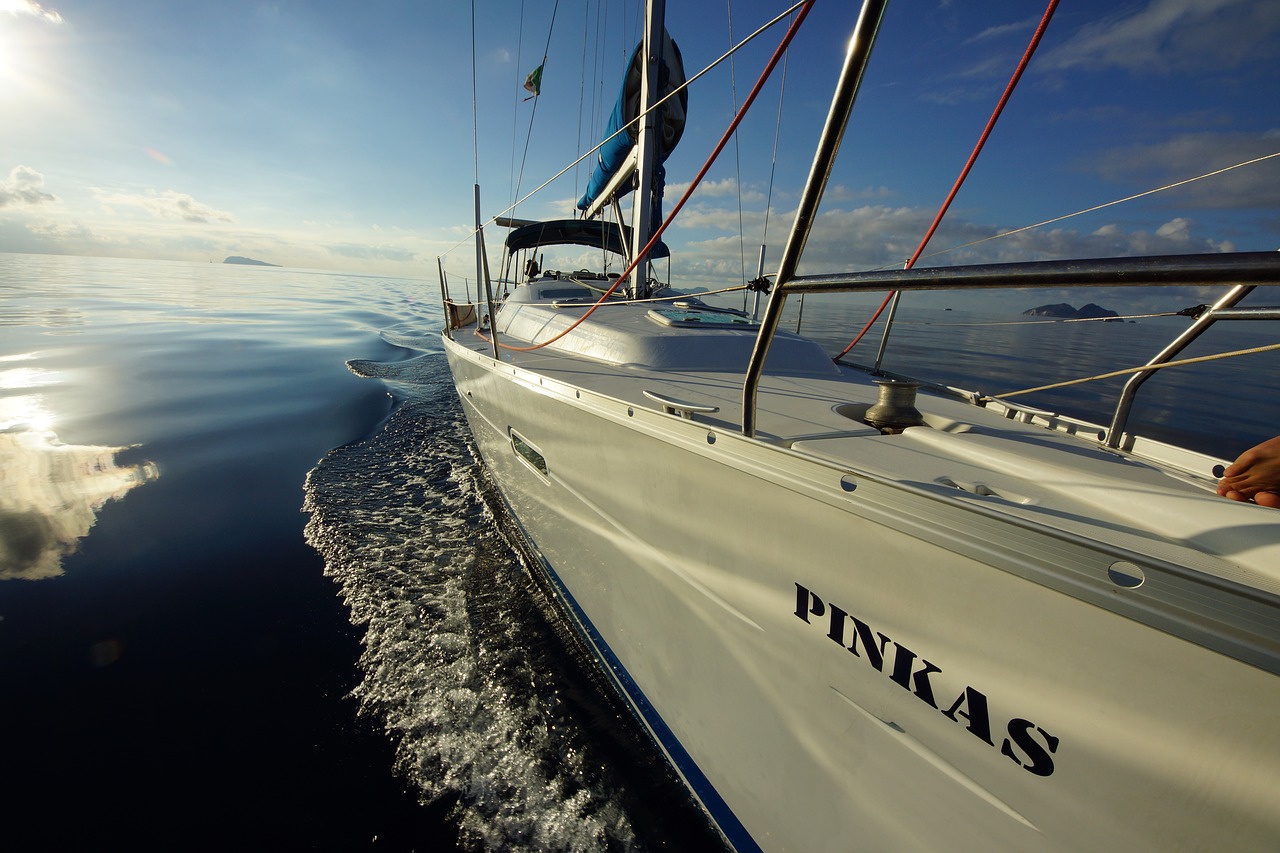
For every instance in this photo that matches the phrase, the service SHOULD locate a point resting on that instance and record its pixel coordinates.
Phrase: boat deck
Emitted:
(979, 456)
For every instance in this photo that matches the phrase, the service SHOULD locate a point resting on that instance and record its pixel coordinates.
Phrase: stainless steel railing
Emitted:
(1242, 271)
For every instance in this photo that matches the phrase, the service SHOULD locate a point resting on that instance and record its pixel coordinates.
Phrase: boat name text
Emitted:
(1026, 744)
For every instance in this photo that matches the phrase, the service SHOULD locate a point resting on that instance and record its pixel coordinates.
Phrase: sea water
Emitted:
(251, 597)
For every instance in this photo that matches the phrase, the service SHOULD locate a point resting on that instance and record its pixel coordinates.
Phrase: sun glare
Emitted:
(17, 57)
(30, 7)
(13, 61)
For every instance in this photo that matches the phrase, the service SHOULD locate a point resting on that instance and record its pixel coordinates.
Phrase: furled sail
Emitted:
(670, 125)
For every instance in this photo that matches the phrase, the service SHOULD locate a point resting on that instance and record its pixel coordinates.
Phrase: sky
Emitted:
(342, 136)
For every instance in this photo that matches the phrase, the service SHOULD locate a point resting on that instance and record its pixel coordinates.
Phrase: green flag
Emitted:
(533, 83)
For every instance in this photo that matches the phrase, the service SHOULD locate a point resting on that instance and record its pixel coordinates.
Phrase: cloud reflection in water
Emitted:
(50, 492)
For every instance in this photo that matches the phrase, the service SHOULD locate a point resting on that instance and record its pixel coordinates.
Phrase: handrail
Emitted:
(855, 64)
(1259, 312)
(1124, 405)
(1147, 271)
(1244, 270)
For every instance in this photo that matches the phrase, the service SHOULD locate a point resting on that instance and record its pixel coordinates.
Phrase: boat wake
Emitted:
(459, 661)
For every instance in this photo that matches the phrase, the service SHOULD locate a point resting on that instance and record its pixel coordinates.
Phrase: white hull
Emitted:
(851, 641)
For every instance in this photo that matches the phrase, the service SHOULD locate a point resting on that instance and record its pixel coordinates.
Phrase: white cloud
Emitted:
(1018, 27)
(1177, 229)
(711, 189)
(368, 252)
(1189, 155)
(839, 192)
(23, 188)
(882, 237)
(723, 187)
(30, 7)
(719, 218)
(1174, 35)
(61, 232)
(166, 205)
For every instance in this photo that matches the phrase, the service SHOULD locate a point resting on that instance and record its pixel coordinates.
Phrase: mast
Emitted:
(642, 207)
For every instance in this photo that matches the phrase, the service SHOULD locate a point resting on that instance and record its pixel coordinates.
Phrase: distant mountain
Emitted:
(1063, 311)
(236, 259)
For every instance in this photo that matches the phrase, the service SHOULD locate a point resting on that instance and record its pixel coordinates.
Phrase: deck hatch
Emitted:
(700, 318)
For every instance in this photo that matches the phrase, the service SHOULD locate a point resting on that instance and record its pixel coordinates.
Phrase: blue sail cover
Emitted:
(670, 123)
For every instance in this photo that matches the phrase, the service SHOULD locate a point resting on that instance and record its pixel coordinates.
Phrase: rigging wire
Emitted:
(475, 102)
(777, 134)
(737, 152)
(1097, 207)
(693, 185)
(1128, 370)
(773, 170)
(515, 106)
(534, 112)
(973, 157)
(593, 84)
(739, 46)
(582, 85)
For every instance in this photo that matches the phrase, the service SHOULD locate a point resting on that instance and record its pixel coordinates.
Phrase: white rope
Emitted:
(1141, 369)
(1107, 204)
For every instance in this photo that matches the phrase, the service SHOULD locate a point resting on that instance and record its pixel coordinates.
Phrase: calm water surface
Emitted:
(250, 598)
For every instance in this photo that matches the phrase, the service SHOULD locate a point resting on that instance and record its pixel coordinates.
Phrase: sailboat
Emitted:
(865, 611)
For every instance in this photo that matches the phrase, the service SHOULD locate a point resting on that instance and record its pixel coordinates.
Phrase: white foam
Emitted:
(448, 668)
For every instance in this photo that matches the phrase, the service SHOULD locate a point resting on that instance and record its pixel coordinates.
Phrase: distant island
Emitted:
(236, 259)
(1063, 311)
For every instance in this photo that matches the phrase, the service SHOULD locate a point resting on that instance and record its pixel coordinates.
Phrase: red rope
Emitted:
(964, 173)
(693, 185)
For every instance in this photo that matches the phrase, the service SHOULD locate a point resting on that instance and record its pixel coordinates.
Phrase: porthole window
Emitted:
(528, 453)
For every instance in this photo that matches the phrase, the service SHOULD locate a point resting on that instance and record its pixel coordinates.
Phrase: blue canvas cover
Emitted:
(670, 124)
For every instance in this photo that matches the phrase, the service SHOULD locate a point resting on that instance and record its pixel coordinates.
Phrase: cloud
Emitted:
(883, 237)
(43, 519)
(712, 189)
(974, 81)
(1174, 35)
(723, 187)
(721, 219)
(166, 205)
(30, 7)
(386, 253)
(1252, 187)
(62, 231)
(839, 192)
(1002, 30)
(23, 188)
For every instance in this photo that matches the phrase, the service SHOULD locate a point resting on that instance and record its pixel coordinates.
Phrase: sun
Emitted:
(30, 7)
(18, 58)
